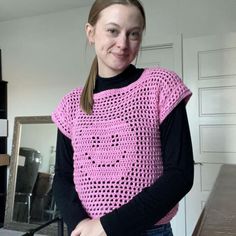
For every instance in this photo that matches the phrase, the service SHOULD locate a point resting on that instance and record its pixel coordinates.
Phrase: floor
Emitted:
(6, 232)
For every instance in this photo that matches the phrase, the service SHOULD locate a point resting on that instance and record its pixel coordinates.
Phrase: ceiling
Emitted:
(14, 9)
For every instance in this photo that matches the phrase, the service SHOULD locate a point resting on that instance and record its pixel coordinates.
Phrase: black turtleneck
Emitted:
(152, 203)
(123, 79)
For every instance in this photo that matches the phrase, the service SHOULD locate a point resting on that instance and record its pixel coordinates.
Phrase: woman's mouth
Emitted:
(119, 55)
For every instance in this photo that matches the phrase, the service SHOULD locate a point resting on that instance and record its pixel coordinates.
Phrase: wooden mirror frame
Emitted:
(8, 220)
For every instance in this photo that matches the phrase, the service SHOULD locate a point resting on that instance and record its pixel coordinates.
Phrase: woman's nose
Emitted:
(122, 41)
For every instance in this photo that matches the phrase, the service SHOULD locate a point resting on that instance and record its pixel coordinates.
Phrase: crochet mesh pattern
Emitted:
(117, 149)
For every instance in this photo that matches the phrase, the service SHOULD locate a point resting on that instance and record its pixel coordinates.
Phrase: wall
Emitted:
(43, 57)
(190, 17)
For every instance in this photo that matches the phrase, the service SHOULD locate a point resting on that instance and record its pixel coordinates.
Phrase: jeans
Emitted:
(163, 230)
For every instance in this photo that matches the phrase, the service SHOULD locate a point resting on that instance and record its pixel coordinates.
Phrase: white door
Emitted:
(168, 54)
(210, 72)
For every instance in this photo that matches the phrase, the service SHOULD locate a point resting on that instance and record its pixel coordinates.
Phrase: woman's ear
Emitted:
(89, 29)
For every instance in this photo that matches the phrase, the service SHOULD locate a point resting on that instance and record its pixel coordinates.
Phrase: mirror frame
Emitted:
(8, 222)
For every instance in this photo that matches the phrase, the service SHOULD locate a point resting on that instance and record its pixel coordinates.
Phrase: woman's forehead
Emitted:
(121, 14)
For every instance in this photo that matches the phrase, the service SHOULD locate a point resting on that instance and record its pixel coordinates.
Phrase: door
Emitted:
(168, 54)
(210, 72)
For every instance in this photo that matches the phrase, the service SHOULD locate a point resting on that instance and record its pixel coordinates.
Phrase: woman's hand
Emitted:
(89, 227)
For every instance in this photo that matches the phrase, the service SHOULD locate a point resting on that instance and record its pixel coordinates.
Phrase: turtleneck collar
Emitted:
(128, 76)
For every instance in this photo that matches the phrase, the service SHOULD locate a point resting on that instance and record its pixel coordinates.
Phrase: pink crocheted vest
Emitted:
(117, 149)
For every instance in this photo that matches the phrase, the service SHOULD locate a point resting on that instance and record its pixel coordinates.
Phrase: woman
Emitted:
(124, 154)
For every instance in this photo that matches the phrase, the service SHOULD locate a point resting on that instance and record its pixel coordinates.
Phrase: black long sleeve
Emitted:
(64, 191)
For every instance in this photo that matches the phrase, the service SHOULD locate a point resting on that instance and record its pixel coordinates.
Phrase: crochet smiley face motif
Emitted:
(105, 166)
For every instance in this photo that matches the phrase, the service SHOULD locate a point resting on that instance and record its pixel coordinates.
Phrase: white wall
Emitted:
(189, 17)
(44, 57)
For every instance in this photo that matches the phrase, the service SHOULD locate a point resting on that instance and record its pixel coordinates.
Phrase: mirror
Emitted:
(29, 197)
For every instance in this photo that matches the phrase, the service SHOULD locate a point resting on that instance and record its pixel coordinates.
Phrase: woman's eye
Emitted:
(113, 31)
(135, 35)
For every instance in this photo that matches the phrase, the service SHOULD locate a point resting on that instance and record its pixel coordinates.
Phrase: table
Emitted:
(218, 217)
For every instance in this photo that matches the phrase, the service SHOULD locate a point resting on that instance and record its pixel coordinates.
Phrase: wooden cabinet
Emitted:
(3, 144)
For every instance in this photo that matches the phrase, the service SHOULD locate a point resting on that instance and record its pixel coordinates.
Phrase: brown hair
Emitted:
(86, 99)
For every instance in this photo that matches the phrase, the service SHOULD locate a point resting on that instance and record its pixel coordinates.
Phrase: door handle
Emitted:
(198, 163)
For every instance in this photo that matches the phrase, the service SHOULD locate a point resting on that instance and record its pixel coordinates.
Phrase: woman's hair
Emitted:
(86, 99)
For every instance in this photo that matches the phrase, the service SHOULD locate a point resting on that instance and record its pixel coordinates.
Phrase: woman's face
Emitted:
(116, 36)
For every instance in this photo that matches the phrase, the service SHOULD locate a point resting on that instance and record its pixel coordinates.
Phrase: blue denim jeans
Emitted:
(163, 230)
